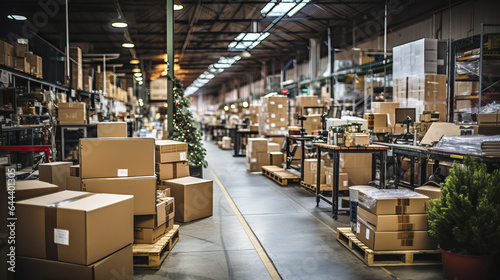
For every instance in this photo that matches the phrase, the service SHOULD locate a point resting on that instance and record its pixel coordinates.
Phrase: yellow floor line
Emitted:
(388, 272)
(273, 272)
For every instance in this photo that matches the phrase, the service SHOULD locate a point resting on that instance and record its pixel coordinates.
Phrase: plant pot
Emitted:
(465, 267)
(196, 171)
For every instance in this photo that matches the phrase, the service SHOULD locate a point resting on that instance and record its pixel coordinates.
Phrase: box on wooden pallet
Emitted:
(56, 173)
(343, 179)
(276, 158)
(393, 202)
(170, 151)
(116, 157)
(148, 235)
(413, 222)
(74, 227)
(142, 188)
(120, 262)
(310, 171)
(165, 210)
(33, 188)
(111, 129)
(193, 198)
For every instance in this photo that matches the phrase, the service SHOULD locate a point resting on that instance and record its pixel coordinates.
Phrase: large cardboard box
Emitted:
(148, 235)
(259, 158)
(358, 166)
(393, 240)
(111, 129)
(35, 65)
(414, 222)
(74, 183)
(276, 158)
(170, 151)
(56, 173)
(118, 264)
(273, 147)
(393, 202)
(6, 54)
(489, 119)
(142, 188)
(74, 227)
(33, 188)
(429, 191)
(386, 108)
(193, 198)
(22, 64)
(21, 50)
(257, 145)
(165, 210)
(72, 113)
(116, 157)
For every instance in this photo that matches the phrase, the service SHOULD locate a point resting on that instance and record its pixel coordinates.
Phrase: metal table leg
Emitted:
(303, 153)
(318, 174)
(335, 191)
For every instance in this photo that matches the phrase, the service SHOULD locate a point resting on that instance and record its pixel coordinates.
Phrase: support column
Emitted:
(170, 54)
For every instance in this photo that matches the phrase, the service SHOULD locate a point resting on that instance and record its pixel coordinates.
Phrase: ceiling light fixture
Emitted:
(136, 70)
(226, 108)
(17, 17)
(119, 23)
(233, 106)
(178, 7)
(138, 74)
(140, 83)
(245, 104)
(277, 8)
(139, 78)
(134, 61)
(247, 41)
(128, 45)
(245, 54)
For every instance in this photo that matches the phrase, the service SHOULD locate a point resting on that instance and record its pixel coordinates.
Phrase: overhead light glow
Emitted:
(119, 23)
(226, 108)
(139, 78)
(140, 83)
(233, 106)
(128, 45)
(17, 17)
(247, 41)
(277, 8)
(138, 74)
(134, 61)
(245, 104)
(178, 7)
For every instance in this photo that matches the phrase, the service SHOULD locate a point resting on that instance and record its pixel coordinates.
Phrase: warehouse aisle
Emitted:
(297, 236)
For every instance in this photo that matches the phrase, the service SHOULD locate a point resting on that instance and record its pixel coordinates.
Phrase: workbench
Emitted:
(291, 153)
(335, 151)
(240, 134)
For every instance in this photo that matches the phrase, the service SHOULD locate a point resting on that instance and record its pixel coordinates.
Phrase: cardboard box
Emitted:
(165, 210)
(142, 188)
(72, 113)
(429, 191)
(358, 166)
(276, 158)
(386, 108)
(74, 170)
(22, 64)
(170, 151)
(74, 227)
(257, 145)
(35, 65)
(116, 157)
(273, 147)
(414, 222)
(167, 171)
(489, 119)
(56, 173)
(111, 129)
(193, 198)
(118, 263)
(6, 54)
(148, 235)
(393, 202)
(33, 188)
(21, 50)
(259, 158)
(181, 169)
(393, 240)
(74, 183)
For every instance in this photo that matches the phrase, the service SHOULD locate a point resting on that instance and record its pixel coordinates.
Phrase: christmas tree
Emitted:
(186, 128)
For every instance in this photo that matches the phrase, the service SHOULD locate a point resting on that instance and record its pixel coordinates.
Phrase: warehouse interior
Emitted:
(250, 139)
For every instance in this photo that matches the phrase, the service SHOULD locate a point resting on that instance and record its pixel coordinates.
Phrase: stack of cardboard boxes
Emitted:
(171, 159)
(75, 53)
(257, 154)
(275, 154)
(72, 113)
(393, 220)
(6, 54)
(21, 62)
(273, 119)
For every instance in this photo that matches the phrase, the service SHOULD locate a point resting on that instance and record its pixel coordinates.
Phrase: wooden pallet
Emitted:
(322, 188)
(386, 258)
(279, 175)
(151, 256)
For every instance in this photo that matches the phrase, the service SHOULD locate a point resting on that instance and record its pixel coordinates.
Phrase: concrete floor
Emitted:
(297, 236)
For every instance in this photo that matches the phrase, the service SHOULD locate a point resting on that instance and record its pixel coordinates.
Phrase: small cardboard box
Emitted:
(429, 191)
(257, 145)
(273, 147)
(111, 129)
(74, 183)
(181, 169)
(118, 263)
(21, 50)
(142, 188)
(488, 119)
(72, 113)
(33, 188)
(276, 158)
(260, 158)
(393, 202)
(414, 222)
(116, 157)
(170, 151)
(393, 240)
(193, 198)
(74, 170)
(56, 173)
(165, 210)
(23, 65)
(148, 235)
(174, 170)
(74, 227)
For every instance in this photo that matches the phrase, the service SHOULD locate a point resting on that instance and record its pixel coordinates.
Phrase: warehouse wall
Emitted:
(466, 19)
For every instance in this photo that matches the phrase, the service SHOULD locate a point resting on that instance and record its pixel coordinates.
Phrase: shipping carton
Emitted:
(193, 198)
(429, 191)
(257, 145)
(386, 108)
(273, 147)
(142, 188)
(393, 240)
(33, 188)
(170, 151)
(56, 173)
(358, 166)
(72, 113)
(35, 62)
(393, 202)
(414, 222)
(118, 263)
(116, 157)
(111, 129)
(166, 171)
(276, 158)
(74, 183)
(165, 210)
(74, 170)
(6, 54)
(148, 235)
(74, 227)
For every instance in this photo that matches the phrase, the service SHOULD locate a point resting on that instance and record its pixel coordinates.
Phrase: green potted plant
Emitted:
(466, 221)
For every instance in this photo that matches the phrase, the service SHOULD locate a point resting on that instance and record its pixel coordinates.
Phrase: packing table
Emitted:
(291, 153)
(241, 133)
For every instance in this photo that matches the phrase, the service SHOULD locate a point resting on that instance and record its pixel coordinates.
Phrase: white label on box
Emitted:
(280, 106)
(273, 125)
(367, 235)
(183, 156)
(61, 236)
(273, 116)
(282, 128)
(346, 183)
(253, 160)
(282, 119)
(271, 102)
(267, 126)
(122, 172)
(358, 227)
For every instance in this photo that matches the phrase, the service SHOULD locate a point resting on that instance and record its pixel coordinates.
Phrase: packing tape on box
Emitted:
(404, 223)
(406, 238)
(52, 233)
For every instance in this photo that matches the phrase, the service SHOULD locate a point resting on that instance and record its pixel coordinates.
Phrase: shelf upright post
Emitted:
(481, 48)
(170, 53)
